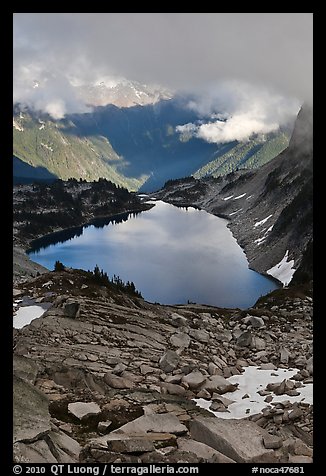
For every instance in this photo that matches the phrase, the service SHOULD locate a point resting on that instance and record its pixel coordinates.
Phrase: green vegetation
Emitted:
(248, 155)
(46, 144)
(42, 208)
(58, 266)
(101, 277)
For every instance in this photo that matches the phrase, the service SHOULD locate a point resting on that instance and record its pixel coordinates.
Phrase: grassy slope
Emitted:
(249, 155)
(66, 151)
(71, 156)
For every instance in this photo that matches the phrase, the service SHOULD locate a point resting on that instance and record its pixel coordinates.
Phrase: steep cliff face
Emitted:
(270, 210)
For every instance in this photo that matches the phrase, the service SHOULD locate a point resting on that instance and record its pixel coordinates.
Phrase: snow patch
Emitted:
(283, 271)
(233, 213)
(259, 241)
(41, 127)
(249, 197)
(26, 314)
(250, 382)
(17, 126)
(240, 196)
(258, 223)
(228, 198)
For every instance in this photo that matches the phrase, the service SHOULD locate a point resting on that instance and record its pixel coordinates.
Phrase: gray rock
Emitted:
(25, 368)
(118, 382)
(147, 369)
(257, 343)
(37, 452)
(257, 322)
(240, 440)
(213, 369)
(103, 426)
(82, 410)
(180, 339)
(133, 445)
(298, 459)
(194, 380)
(178, 321)
(284, 355)
(269, 366)
(200, 335)
(218, 398)
(295, 414)
(119, 368)
(169, 361)
(157, 423)
(310, 366)
(72, 309)
(172, 389)
(244, 339)
(65, 448)
(300, 448)
(31, 418)
(205, 452)
(218, 384)
(272, 442)
(173, 378)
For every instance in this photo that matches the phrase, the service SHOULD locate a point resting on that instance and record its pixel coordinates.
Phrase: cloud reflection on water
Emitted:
(172, 255)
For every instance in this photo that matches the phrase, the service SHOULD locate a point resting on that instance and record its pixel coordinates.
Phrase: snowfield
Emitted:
(283, 271)
(258, 223)
(250, 382)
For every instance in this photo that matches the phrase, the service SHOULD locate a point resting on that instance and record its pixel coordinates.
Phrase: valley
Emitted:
(136, 147)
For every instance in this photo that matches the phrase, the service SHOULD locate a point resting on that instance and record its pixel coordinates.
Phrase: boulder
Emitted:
(244, 339)
(180, 340)
(257, 322)
(103, 426)
(117, 382)
(272, 442)
(83, 411)
(169, 361)
(268, 366)
(218, 384)
(72, 309)
(172, 389)
(298, 459)
(200, 335)
(157, 423)
(133, 445)
(205, 452)
(31, 417)
(25, 368)
(257, 343)
(194, 380)
(310, 366)
(240, 440)
(284, 355)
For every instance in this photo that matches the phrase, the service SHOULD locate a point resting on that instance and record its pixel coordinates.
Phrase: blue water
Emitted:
(173, 255)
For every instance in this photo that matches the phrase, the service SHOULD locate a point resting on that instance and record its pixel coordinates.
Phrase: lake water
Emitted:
(173, 255)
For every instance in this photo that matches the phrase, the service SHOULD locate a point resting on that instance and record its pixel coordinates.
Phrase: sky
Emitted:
(241, 65)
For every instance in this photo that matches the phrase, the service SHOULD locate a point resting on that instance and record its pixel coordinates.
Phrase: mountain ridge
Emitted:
(269, 209)
(136, 147)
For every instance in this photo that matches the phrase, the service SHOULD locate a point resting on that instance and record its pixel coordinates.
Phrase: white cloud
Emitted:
(237, 111)
(181, 51)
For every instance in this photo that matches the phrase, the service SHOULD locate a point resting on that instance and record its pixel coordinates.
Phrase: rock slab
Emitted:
(240, 440)
(82, 410)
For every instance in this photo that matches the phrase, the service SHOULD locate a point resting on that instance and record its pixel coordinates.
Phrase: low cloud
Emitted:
(48, 91)
(180, 51)
(236, 111)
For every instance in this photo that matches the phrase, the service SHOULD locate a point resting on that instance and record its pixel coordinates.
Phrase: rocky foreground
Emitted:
(104, 376)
